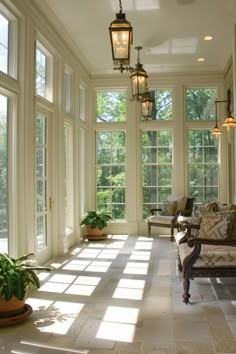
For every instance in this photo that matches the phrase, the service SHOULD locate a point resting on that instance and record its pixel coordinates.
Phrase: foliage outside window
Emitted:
(162, 104)
(203, 166)
(4, 44)
(156, 168)
(44, 72)
(200, 103)
(41, 74)
(111, 107)
(3, 173)
(110, 164)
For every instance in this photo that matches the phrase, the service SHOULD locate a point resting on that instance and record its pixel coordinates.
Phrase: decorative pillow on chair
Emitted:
(212, 206)
(216, 225)
(181, 201)
(169, 208)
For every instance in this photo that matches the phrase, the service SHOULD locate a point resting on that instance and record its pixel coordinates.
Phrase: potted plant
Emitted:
(95, 222)
(16, 277)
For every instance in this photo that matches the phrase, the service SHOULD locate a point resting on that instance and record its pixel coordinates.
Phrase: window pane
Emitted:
(111, 173)
(162, 104)
(111, 107)
(4, 44)
(41, 180)
(200, 103)
(3, 174)
(40, 73)
(156, 168)
(68, 91)
(203, 167)
(68, 163)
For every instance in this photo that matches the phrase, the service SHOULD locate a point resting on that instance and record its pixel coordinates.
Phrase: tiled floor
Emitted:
(124, 296)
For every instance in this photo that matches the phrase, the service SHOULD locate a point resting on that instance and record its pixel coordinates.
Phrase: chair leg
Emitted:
(172, 233)
(186, 295)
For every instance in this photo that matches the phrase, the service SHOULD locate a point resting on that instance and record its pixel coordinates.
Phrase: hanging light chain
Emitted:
(121, 9)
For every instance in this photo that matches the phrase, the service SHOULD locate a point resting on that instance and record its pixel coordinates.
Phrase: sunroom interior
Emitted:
(71, 137)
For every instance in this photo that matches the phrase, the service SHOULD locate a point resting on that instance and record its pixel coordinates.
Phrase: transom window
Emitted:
(111, 172)
(162, 104)
(200, 103)
(4, 43)
(44, 72)
(111, 107)
(156, 168)
(8, 41)
(68, 91)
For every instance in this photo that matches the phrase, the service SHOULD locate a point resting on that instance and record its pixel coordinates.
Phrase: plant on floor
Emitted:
(96, 219)
(17, 274)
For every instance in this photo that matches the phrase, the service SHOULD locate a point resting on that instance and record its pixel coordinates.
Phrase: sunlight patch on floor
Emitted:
(136, 268)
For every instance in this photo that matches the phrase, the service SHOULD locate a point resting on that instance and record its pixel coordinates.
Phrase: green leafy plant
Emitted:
(95, 219)
(17, 274)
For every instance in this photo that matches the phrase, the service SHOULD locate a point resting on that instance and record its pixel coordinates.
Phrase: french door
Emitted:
(43, 241)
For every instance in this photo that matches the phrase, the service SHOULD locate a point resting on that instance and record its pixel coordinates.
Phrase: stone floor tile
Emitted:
(194, 348)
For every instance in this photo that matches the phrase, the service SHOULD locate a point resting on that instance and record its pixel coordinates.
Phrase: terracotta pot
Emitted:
(95, 233)
(13, 307)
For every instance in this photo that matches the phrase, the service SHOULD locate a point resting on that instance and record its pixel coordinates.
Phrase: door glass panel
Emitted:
(41, 181)
(3, 174)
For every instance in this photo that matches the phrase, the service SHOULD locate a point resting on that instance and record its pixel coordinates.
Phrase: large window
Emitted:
(111, 172)
(3, 173)
(203, 167)
(44, 72)
(111, 106)
(156, 168)
(200, 103)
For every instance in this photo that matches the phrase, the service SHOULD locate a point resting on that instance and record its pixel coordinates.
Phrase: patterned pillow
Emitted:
(169, 208)
(217, 225)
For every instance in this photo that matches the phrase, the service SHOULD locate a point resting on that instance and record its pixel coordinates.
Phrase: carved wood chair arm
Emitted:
(207, 241)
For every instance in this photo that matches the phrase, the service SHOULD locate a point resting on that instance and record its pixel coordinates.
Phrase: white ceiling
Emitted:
(170, 31)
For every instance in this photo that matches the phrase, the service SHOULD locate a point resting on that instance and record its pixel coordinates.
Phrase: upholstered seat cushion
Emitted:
(161, 219)
(210, 256)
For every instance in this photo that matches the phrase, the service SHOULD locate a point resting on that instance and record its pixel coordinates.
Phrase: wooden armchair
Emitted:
(168, 216)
